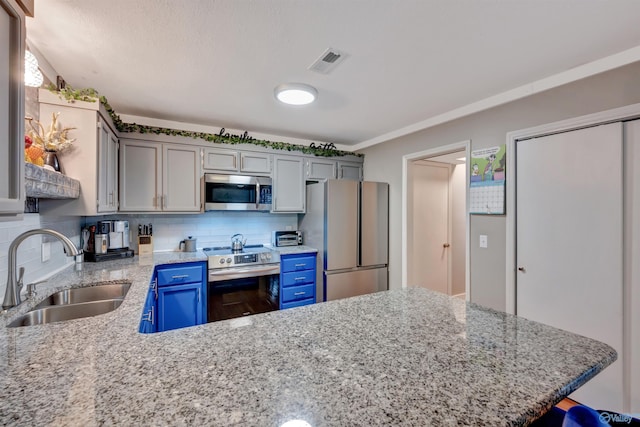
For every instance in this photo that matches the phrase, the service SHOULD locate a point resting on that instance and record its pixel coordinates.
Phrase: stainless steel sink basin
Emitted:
(58, 313)
(87, 294)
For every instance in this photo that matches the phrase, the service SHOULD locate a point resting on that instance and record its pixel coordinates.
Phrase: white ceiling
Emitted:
(216, 62)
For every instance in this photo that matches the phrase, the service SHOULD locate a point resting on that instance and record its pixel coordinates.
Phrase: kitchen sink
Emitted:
(58, 313)
(74, 303)
(86, 294)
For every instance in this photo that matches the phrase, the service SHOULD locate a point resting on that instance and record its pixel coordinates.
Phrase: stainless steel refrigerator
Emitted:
(348, 222)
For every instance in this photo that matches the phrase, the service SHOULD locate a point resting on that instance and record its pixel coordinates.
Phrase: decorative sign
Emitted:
(328, 147)
(244, 137)
(487, 188)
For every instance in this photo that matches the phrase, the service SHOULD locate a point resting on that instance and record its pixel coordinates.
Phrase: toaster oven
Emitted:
(286, 238)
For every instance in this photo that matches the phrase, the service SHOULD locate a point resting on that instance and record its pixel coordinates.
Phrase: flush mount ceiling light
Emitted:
(296, 93)
(32, 75)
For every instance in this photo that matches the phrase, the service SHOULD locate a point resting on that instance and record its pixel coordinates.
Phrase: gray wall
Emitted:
(383, 162)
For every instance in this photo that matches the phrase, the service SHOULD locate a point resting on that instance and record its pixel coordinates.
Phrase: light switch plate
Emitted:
(484, 242)
(46, 251)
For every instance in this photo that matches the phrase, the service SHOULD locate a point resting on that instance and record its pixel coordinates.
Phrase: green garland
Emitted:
(91, 95)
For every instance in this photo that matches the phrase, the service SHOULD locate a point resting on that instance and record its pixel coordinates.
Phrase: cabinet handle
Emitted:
(111, 198)
(299, 278)
(164, 201)
(198, 294)
(300, 265)
(180, 276)
(299, 293)
(148, 317)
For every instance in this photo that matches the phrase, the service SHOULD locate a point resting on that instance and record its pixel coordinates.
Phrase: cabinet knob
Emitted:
(446, 245)
(522, 269)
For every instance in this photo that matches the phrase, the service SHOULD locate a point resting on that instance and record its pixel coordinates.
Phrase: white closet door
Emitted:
(569, 242)
(632, 255)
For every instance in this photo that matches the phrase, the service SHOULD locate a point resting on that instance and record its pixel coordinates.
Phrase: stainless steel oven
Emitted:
(241, 283)
(237, 192)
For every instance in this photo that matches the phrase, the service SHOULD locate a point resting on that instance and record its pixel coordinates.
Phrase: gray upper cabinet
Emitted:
(350, 170)
(93, 160)
(156, 177)
(221, 160)
(258, 163)
(320, 169)
(140, 176)
(12, 34)
(232, 161)
(288, 184)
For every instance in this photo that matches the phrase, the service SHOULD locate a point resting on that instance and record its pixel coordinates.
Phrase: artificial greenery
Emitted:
(91, 95)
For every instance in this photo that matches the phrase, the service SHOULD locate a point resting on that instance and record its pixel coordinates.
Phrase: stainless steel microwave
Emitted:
(236, 193)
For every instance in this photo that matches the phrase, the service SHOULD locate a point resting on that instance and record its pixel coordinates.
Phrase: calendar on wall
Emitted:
(487, 187)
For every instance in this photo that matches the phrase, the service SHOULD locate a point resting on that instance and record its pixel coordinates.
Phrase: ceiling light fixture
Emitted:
(295, 93)
(32, 75)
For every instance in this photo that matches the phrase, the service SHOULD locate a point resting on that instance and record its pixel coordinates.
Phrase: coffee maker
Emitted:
(119, 235)
(107, 240)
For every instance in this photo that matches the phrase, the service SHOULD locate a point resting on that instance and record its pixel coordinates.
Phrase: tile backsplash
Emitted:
(210, 228)
(30, 250)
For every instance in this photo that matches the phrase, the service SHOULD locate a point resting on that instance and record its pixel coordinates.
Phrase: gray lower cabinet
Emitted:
(158, 177)
(288, 184)
(12, 34)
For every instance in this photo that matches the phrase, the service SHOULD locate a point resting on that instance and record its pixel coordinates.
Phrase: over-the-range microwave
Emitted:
(236, 193)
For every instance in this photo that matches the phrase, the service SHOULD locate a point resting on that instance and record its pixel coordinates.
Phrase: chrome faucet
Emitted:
(14, 284)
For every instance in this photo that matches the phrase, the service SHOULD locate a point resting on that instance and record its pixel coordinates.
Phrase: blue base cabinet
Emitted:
(177, 297)
(297, 280)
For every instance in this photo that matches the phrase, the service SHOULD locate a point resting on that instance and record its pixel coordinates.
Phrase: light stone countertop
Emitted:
(297, 250)
(403, 357)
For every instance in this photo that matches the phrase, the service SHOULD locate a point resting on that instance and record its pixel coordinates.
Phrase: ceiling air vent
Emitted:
(329, 60)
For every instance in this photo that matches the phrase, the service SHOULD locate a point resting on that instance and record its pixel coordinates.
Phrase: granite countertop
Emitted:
(402, 357)
(297, 250)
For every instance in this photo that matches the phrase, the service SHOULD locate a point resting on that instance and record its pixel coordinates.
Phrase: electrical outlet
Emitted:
(46, 251)
(484, 242)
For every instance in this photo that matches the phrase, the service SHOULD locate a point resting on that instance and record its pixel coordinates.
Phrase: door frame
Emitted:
(408, 158)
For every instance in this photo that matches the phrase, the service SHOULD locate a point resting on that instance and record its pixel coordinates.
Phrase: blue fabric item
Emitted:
(583, 416)
(553, 418)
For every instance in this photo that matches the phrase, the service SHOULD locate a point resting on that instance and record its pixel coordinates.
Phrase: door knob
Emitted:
(522, 269)
(446, 245)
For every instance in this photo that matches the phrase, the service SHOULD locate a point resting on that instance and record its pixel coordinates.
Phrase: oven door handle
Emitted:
(241, 273)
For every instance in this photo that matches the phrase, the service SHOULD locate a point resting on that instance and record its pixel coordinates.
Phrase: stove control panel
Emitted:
(257, 257)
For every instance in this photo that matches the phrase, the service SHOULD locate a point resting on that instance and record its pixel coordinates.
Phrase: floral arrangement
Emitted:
(53, 139)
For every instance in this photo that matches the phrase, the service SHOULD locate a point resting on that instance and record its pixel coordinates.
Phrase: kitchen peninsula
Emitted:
(402, 357)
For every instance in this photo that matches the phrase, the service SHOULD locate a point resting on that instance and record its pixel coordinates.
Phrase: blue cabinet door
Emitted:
(180, 306)
(149, 313)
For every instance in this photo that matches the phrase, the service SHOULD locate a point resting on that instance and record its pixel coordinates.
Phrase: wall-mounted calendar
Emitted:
(487, 187)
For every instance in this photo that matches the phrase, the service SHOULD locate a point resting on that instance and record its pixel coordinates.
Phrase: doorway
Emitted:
(435, 220)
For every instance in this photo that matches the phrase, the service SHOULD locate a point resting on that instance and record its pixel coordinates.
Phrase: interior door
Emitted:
(569, 242)
(428, 235)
